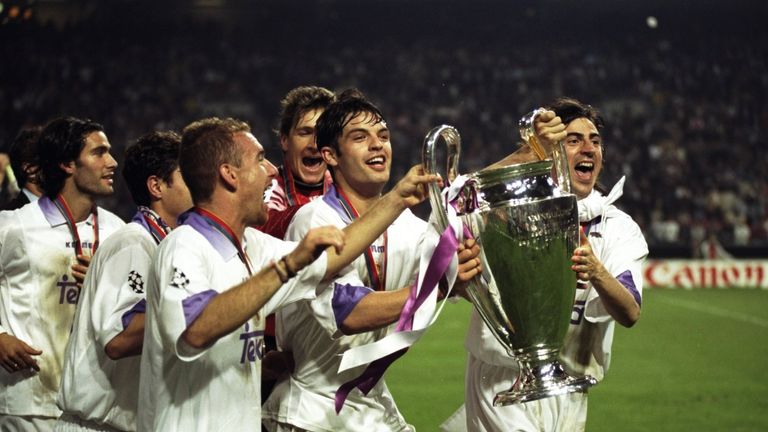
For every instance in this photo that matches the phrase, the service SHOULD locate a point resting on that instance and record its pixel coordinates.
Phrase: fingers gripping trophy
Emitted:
(525, 218)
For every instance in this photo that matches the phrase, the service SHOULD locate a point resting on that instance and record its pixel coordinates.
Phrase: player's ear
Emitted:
(68, 167)
(329, 156)
(229, 176)
(153, 187)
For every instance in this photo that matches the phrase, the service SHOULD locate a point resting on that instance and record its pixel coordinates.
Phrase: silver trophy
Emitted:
(526, 222)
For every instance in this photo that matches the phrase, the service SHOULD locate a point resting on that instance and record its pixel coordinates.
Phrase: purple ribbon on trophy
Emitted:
(438, 259)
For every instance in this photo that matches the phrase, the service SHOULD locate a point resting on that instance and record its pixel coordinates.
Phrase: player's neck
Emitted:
(361, 199)
(79, 203)
(229, 214)
(34, 189)
(165, 215)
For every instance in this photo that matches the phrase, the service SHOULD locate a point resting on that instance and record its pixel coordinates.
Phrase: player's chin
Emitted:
(104, 191)
(262, 217)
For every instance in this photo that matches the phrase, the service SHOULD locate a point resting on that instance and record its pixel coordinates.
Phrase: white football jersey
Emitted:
(93, 386)
(217, 388)
(38, 295)
(309, 330)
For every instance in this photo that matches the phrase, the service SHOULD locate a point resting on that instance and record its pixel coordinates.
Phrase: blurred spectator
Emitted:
(684, 106)
(25, 167)
(711, 248)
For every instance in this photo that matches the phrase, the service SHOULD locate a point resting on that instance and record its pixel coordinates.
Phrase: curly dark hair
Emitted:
(61, 142)
(154, 154)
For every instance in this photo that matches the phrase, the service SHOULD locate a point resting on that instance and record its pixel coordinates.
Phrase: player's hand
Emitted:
(549, 130)
(470, 266)
(585, 264)
(15, 355)
(313, 244)
(80, 268)
(412, 188)
(277, 364)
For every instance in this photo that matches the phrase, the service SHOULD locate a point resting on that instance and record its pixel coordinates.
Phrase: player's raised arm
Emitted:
(229, 310)
(409, 191)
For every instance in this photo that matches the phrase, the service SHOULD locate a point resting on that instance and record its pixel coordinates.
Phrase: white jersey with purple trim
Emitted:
(38, 296)
(217, 388)
(619, 244)
(309, 330)
(93, 386)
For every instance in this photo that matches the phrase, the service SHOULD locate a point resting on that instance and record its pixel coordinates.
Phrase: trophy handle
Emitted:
(559, 157)
(452, 139)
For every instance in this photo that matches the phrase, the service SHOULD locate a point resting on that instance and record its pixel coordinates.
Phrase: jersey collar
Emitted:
(52, 213)
(217, 240)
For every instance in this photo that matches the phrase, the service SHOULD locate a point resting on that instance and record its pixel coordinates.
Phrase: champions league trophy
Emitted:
(526, 222)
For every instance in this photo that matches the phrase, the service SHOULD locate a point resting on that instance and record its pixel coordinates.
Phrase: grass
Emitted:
(696, 361)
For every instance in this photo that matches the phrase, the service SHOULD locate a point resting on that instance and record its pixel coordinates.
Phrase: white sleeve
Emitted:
(304, 286)
(119, 293)
(334, 303)
(185, 289)
(623, 256)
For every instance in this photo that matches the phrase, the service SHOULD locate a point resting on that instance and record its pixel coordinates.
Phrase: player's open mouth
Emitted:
(109, 178)
(584, 170)
(312, 162)
(376, 162)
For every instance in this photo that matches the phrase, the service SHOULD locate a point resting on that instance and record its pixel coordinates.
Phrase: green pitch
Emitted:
(696, 361)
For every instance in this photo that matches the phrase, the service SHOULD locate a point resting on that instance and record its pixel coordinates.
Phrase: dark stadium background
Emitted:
(684, 98)
(683, 86)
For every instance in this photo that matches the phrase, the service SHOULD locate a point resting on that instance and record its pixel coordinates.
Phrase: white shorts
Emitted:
(566, 413)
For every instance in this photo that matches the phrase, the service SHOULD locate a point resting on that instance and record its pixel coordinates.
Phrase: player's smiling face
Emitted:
(584, 147)
(94, 170)
(255, 175)
(301, 153)
(365, 155)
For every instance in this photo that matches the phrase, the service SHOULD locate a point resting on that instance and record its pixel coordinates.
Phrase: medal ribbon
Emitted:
(156, 226)
(377, 278)
(63, 207)
(222, 227)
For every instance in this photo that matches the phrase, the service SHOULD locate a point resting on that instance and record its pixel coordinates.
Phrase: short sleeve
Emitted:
(622, 255)
(335, 303)
(185, 290)
(119, 292)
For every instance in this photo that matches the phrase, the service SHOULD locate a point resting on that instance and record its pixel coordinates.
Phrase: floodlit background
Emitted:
(683, 86)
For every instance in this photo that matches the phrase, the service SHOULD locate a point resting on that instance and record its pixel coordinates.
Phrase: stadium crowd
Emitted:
(684, 107)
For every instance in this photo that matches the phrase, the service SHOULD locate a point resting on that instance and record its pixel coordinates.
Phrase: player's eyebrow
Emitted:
(581, 135)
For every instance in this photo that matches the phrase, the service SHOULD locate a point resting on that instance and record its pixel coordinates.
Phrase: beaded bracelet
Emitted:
(284, 260)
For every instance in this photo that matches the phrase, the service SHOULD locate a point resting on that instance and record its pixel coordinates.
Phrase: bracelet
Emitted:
(281, 273)
(284, 260)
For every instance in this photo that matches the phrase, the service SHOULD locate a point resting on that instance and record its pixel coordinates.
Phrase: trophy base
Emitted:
(543, 381)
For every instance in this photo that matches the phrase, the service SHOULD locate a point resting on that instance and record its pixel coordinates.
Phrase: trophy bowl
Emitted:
(527, 227)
